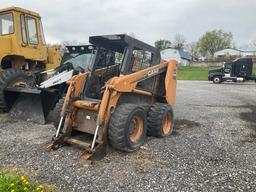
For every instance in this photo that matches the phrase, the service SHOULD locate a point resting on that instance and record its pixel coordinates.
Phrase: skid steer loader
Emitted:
(35, 103)
(120, 103)
(23, 51)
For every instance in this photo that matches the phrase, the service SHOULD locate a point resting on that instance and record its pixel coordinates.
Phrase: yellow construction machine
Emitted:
(23, 51)
(126, 94)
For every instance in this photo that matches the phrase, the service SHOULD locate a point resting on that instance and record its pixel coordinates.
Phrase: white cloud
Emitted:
(148, 19)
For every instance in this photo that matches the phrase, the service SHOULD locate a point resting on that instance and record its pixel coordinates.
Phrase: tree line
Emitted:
(207, 45)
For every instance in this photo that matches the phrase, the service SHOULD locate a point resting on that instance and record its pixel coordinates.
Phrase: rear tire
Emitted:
(54, 115)
(160, 120)
(12, 77)
(217, 80)
(127, 128)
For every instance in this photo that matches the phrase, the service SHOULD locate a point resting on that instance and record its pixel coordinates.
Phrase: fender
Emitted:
(171, 81)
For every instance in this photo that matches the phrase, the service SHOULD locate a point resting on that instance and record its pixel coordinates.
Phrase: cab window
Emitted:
(105, 58)
(23, 29)
(32, 31)
(42, 33)
(141, 60)
(6, 24)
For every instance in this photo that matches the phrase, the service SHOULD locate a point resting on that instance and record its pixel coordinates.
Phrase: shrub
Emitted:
(13, 182)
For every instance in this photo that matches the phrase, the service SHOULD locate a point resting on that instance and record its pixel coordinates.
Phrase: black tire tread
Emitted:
(117, 127)
(6, 77)
(155, 118)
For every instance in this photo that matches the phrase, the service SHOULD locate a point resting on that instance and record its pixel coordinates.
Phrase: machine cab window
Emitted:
(105, 58)
(32, 31)
(141, 60)
(23, 28)
(6, 24)
(42, 33)
(79, 57)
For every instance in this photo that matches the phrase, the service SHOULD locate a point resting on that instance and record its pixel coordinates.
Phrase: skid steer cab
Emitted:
(126, 94)
(240, 70)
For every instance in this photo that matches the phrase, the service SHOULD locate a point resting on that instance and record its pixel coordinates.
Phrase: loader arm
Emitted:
(129, 82)
(74, 93)
(76, 85)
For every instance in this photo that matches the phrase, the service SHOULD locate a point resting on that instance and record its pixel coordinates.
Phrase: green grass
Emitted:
(12, 180)
(193, 73)
(254, 70)
(197, 73)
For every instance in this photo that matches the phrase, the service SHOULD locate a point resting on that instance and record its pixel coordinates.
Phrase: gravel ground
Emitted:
(213, 148)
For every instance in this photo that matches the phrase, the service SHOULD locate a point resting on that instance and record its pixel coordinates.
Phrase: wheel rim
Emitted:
(136, 128)
(167, 123)
(216, 79)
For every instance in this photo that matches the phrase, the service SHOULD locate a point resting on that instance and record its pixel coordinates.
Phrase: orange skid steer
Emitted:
(123, 102)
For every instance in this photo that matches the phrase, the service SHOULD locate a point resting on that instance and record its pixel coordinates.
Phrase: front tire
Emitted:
(217, 80)
(12, 77)
(127, 128)
(160, 120)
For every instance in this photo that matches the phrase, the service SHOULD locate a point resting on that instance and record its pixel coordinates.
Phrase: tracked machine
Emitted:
(126, 94)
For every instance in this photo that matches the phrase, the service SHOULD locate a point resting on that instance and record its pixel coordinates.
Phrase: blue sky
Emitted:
(149, 20)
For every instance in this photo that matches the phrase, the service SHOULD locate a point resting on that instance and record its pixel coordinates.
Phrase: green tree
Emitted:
(213, 41)
(162, 44)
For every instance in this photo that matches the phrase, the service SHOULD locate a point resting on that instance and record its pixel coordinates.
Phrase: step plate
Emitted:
(78, 143)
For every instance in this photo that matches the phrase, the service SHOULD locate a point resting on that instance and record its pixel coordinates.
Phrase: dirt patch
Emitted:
(121, 175)
(249, 116)
(143, 161)
(184, 123)
(175, 133)
(250, 138)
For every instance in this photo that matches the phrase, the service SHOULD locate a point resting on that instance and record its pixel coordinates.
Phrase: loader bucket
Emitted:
(30, 104)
